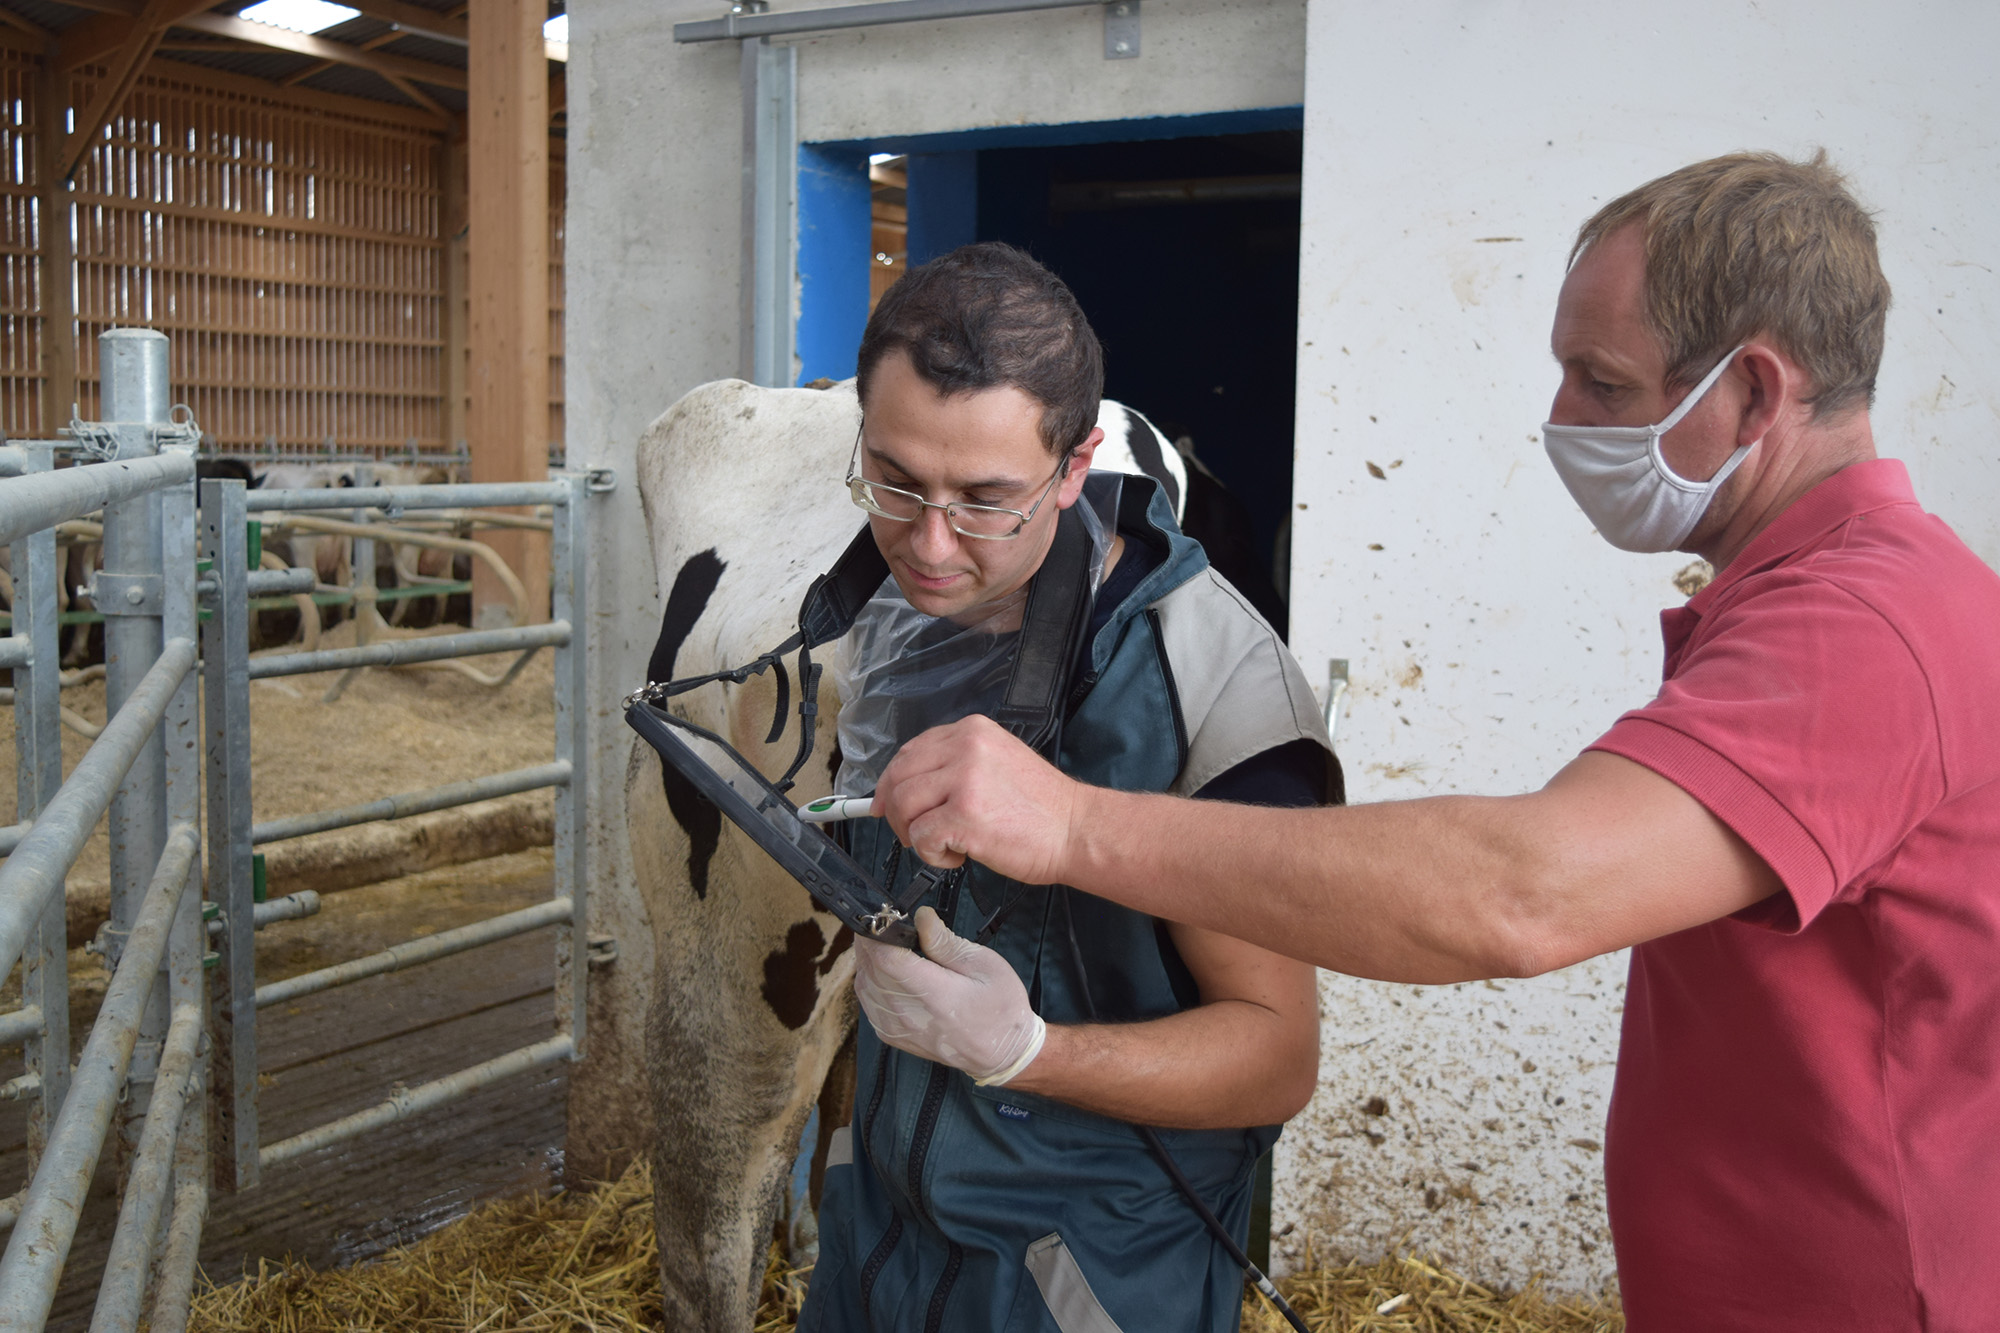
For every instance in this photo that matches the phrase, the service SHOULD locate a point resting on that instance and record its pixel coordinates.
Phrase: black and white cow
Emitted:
(751, 1003)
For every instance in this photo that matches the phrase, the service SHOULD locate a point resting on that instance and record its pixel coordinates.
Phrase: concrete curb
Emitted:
(370, 853)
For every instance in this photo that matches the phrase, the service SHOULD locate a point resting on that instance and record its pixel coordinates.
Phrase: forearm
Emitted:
(1443, 889)
(1448, 888)
(1225, 1065)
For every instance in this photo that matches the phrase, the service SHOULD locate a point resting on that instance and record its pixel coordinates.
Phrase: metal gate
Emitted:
(169, 1071)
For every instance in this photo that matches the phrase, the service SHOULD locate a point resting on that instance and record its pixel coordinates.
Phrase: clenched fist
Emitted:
(970, 790)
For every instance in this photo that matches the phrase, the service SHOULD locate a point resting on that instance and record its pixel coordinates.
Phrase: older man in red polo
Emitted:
(1799, 837)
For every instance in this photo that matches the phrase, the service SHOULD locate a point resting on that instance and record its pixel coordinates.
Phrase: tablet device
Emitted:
(728, 781)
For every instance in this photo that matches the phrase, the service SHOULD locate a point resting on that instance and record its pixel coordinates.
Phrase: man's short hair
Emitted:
(1754, 244)
(987, 316)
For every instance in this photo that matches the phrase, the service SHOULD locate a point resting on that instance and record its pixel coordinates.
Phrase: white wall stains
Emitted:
(1048, 67)
(1451, 152)
(1466, 1117)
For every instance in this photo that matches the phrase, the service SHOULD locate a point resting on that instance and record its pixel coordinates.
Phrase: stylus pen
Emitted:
(828, 809)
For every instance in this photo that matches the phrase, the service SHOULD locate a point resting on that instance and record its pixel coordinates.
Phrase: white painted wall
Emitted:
(1452, 148)
(655, 155)
(1048, 67)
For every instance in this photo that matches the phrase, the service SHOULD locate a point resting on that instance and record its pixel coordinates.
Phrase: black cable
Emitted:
(1166, 1159)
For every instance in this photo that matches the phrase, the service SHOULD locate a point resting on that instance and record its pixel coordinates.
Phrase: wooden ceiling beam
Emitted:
(313, 71)
(129, 8)
(94, 39)
(142, 38)
(395, 114)
(416, 94)
(29, 26)
(320, 48)
(414, 21)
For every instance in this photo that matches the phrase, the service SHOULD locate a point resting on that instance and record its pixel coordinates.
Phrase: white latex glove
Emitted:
(960, 1005)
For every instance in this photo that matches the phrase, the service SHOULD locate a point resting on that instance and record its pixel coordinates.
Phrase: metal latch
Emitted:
(600, 480)
(125, 594)
(109, 440)
(601, 951)
(108, 944)
(1336, 692)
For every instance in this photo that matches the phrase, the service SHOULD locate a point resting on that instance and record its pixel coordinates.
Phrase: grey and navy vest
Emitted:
(949, 1206)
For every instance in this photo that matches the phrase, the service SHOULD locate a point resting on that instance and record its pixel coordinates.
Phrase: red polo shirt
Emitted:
(1805, 1129)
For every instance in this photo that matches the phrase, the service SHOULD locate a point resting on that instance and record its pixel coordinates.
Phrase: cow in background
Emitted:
(751, 1003)
(331, 557)
(83, 558)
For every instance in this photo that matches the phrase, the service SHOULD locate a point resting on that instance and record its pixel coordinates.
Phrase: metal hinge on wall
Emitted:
(1121, 30)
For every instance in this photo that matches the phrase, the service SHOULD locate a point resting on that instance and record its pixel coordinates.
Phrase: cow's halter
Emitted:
(1032, 707)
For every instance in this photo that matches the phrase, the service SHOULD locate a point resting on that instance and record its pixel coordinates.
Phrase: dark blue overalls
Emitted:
(970, 1209)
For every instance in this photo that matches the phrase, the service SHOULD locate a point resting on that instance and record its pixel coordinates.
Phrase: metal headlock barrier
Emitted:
(166, 1085)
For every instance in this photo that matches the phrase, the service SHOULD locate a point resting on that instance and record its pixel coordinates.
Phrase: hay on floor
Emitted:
(1412, 1295)
(587, 1259)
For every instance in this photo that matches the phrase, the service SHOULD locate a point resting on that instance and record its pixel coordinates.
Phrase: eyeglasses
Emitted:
(986, 522)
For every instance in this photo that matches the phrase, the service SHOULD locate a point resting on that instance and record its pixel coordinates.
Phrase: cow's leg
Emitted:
(836, 1108)
(750, 1005)
(78, 563)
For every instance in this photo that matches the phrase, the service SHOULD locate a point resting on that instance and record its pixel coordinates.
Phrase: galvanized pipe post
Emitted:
(471, 496)
(362, 564)
(38, 776)
(46, 499)
(423, 949)
(769, 77)
(414, 803)
(226, 704)
(32, 874)
(173, 1286)
(129, 1266)
(396, 652)
(130, 593)
(570, 603)
(361, 578)
(184, 988)
(32, 1267)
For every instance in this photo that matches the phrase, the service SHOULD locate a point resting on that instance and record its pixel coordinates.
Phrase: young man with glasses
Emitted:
(997, 1181)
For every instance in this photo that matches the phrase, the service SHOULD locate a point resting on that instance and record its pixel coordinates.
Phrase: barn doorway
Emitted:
(1183, 249)
(1180, 237)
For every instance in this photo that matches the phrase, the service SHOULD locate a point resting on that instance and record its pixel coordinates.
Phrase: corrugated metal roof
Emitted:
(350, 81)
(274, 66)
(418, 47)
(47, 14)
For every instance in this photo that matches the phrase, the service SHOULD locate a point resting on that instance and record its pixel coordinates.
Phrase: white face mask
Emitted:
(1625, 487)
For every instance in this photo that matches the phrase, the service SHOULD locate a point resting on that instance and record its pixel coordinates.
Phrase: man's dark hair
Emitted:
(986, 316)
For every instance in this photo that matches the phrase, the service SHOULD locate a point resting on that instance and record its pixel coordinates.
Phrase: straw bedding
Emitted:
(586, 1260)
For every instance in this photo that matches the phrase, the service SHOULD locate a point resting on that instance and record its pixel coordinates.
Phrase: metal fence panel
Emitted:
(226, 704)
(163, 1080)
(38, 777)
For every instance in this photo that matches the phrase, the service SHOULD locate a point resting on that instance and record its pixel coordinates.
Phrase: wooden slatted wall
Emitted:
(20, 249)
(295, 255)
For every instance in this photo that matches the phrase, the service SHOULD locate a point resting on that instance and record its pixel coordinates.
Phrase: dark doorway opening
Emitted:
(1185, 255)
